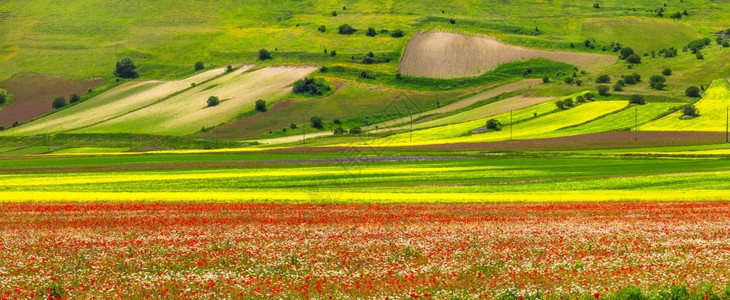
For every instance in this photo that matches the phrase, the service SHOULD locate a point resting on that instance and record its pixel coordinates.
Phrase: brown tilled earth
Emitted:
(451, 55)
(34, 93)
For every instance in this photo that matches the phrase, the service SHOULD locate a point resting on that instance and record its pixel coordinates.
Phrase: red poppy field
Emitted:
(512, 251)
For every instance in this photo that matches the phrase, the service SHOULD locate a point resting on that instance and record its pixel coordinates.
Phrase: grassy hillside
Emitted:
(712, 112)
(84, 38)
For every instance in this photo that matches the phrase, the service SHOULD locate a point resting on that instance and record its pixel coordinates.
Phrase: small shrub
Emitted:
(3, 98)
(213, 101)
(596, 5)
(346, 29)
(545, 79)
(569, 80)
(229, 68)
(629, 80)
(589, 96)
(690, 110)
(356, 130)
(261, 105)
(603, 79)
(311, 86)
(264, 54)
(637, 99)
(367, 75)
(626, 53)
(578, 82)
(692, 91)
(397, 33)
(634, 59)
(199, 66)
(667, 72)
(293, 126)
(337, 121)
(580, 99)
(603, 90)
(700, 56)
(334, 13)
(58, 102)
(617, 87)
(657, 82)
(494, 124)
(322, 28)
(333, 53)
(71, 99)
(317, 122)
(323, 69)
(339, 131)
(371, 32)
(726, 44)
(452, 21)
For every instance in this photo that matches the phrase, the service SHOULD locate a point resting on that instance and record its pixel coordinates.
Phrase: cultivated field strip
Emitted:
(712, 112)
(451, 55)
(187, 112)
(116, 102)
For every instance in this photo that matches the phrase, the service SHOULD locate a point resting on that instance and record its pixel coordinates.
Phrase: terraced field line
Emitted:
(503, 89)
(111, 104)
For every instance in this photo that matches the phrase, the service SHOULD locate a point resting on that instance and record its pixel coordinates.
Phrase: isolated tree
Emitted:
(545, 79)
(603, 79)
(3, 98)
(334, 13)
(322, 28)
(346, 29)
(229, 68)
(293, 126)
(692, 91)
(603, 90)
(58, 102)
(126, 68)
(578, 82)
(397, 33)
(633, 59)
(637, 99)
(199, 66)
(617, 87)
(356, 130)
(371, 32)
(264, 54)
(626, 52)
(317, 122)
(629, 79)
(657, 82)
(339, 131)
(261, 105)
(667, 72)
(569, 80)
(213, 101)
(494, 124)
(690, 110)
(596, 5)
(74, 98)
(311, 86)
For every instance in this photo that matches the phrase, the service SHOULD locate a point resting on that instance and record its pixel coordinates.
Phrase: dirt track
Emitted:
(34, 93)
(451, 55)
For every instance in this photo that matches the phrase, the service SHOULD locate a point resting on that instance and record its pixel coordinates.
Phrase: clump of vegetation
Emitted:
(546, 79)
(697, 45)
(603, 79)
(322, 28)
(692, 91)
(126, 68)
(3, 98)
(397, 33)
(199, 66)
(346, 29)
(317, 122)
(260, 105)
(264, 54)
(58, 102)
(356, 131)
(367, 75)
(494, 124)
(667, 72)
(339, 131)
(72, 99)
(371, 32)
(657, 82)
(634, 59)
(626, 52)
(213, 101)
(565, 104)
(312, 86)
(229, 69)
(637, 99)
(603, 90)
(689, 111)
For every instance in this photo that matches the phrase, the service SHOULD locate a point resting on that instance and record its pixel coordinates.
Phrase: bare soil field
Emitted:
(34, 93)
(451, 55)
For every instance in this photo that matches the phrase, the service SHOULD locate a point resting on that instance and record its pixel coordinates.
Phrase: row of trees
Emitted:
(346, 29)
(61, 101)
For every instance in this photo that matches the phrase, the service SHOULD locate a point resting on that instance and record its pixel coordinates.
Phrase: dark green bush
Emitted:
(264, 54)
(261, 105)
(213, 101)
(311, 86)
(346, 29)
(126, 68)
(58, 102)
(494, 124)
(317, 122)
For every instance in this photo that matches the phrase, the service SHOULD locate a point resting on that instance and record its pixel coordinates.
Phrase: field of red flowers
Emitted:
(154, 250)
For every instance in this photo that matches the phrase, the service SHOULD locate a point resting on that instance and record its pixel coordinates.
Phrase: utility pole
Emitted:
(411, 133)
(636, 123)
(304, 128)
(510, 124)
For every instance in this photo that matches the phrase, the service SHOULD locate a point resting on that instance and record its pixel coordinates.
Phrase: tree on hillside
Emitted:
(126, 68)
(264, 54)
(633, 59)
(690, 110)
(346, 29)
(213, 101)
(667, 72)
(657, 82)
(626, 52)
(74, 98)
(317, 122)
(58, 102)
(311, 86)
(637, 99)
(603, 90)
(3, 98)
(494, 124)
(261, 105)
(397, 33)
(371, 32)
(322, 28)
(692, 91)
(603, 79)
(199, 66)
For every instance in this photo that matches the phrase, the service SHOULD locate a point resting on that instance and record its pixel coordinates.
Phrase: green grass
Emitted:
(712, 109)
(641, 34)
(91, 150)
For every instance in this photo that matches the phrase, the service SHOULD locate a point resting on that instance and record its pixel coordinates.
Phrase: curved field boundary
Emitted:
(531, 127)
(113, 103)
(187, 112)
(34, 93)
(712, 109)
(451, 55)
